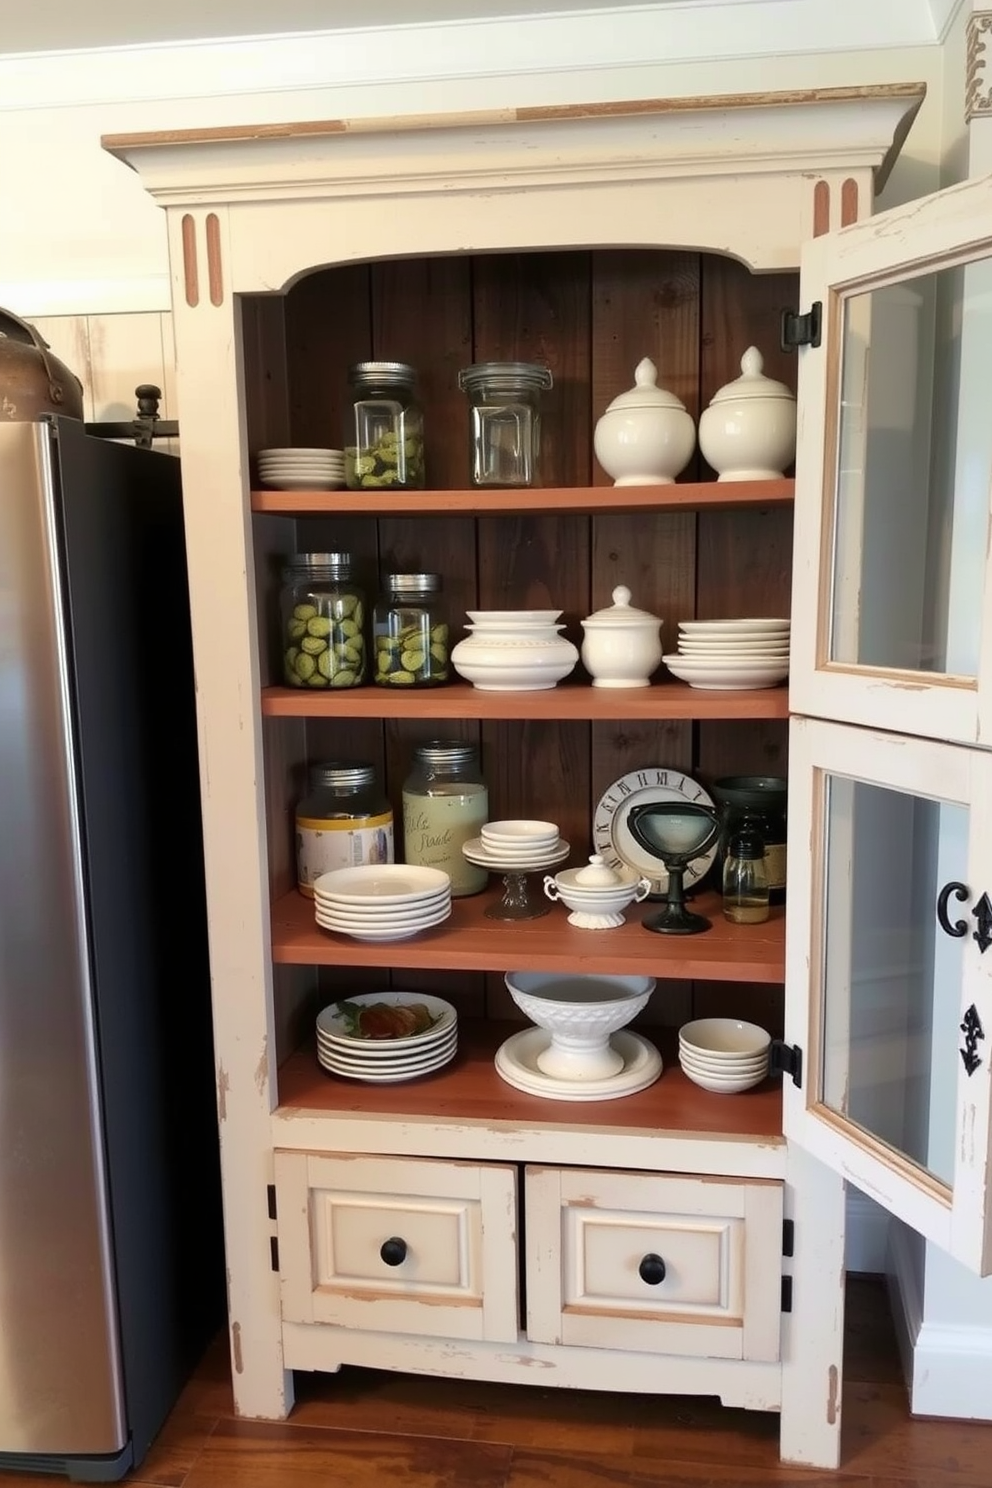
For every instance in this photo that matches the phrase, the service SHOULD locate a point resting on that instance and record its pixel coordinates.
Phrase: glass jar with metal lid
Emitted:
(757, 803)
(344, 820)
(323, 622)
(410, 632)
(445, 803)
(505, 421)
(386, 451)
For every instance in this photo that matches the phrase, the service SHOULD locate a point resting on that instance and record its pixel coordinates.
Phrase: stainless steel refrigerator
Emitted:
(111, 1270)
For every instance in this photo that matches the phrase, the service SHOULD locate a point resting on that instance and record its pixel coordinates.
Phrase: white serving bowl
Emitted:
(580, 1012)
(501, 663)
(724, 1069)
(724, 1036)
(596, 908)
(723, 1085)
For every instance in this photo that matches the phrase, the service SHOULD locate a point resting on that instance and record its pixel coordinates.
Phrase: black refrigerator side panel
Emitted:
(125, 578)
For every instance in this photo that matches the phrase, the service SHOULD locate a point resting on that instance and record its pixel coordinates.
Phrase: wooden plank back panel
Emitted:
(328, 326)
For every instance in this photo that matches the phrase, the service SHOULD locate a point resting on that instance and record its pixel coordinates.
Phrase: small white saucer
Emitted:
(516, 1063)
(475, 851)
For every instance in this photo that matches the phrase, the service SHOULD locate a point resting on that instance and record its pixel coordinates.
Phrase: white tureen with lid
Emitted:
(621, 645)
(748, 432)
(646, 436)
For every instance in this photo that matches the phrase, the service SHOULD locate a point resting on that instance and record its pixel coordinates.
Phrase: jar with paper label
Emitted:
(343, 821)
(445, 802)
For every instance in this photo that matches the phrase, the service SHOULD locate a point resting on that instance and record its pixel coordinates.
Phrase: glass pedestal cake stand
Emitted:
(517, 902)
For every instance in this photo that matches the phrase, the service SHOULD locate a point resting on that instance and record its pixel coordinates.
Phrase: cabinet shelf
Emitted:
(665, 700)
(470, 1090)
(469, 941)
(685, 495)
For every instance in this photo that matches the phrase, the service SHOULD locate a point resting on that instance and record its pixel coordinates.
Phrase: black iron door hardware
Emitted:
(982, 912)
(652, 1269)
(972, 1029)
(801, 330)
(393, 1251)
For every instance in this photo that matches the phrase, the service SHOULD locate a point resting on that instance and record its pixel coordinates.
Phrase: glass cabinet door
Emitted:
(889, 973)
(892, 614)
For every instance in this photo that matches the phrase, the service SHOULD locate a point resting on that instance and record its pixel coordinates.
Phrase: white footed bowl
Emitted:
(596, 906)
(580, 1012)
(497, 662)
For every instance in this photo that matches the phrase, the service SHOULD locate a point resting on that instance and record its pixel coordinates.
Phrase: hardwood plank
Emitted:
(664, 701)
(470, 941)
(881, 1439)
(683, 495)
(256, 1454)
(561, 1469)
(470, 1089)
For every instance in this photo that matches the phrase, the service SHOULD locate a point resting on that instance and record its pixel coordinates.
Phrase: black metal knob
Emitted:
(652, 1270)
(393, 1251)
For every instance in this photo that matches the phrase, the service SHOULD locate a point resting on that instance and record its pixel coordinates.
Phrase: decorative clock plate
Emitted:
(613, 839)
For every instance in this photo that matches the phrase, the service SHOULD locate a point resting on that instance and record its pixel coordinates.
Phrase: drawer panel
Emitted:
(656, 1263)
(398, 1245)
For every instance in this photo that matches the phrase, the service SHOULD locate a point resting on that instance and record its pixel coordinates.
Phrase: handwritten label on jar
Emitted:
(323, 845)
(436, 826)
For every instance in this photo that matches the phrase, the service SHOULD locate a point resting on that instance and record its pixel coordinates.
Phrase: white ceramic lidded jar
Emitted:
(748, 432)
(621, 646)
(646, 436)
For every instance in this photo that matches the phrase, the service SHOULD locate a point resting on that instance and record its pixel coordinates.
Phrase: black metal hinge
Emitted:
(274, 1251)
(786, 1293)
(271, 1196)
(788, 1237)
(786, 1059)
(801, 330)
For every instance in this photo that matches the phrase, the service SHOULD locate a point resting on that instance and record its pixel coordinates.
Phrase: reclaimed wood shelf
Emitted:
(469, 941)
(469, 1089)
(682, 495)
(575, 700)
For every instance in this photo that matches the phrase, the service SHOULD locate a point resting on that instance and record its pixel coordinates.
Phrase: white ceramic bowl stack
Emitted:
(580, 1048)
(381, 901)
(301, 469)
(514, 651)
(597, 894)
(727, 655)
(723, 1054)
(342, 1052)
(521, 845)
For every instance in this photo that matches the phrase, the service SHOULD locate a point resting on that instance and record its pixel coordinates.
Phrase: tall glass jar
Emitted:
(445, 802)
(323, 622)
(505, 421)
(758, 803)
(344, 820)
(410, 632)
(386, 451)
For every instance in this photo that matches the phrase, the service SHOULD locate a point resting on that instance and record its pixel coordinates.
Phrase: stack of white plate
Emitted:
(726, 655)
(382, 901)
(343, 1051)
(517, 846)
(724, 1054)
(301, 469)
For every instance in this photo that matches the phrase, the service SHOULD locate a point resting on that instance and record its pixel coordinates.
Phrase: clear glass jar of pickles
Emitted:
(323, 622)
(386, 451)
(410, 632)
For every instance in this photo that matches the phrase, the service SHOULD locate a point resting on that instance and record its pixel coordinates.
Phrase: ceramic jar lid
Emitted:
(646, 393)
(621, 612)
(596, 874)
(752, 382)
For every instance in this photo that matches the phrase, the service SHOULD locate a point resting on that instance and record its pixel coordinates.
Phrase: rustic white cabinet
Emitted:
(674, 1240)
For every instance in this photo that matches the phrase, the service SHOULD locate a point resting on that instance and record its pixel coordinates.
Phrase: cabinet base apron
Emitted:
(315, 1347)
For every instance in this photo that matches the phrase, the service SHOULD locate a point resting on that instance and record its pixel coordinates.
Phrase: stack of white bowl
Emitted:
(520, 845)
(343, 1052)
(724, 1054)
(726, 655)
(597, 894)
(381, 901)
(301, 469)
(514, 651)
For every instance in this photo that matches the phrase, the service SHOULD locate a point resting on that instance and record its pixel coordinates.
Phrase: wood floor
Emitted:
(363, 1428)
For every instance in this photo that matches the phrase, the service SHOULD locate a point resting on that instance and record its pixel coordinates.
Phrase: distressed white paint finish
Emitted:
(458, 1278)
(953, 226)
(588, 1233)
(926, 769)
(734, 1382)
(489, 183)
(813, 1332)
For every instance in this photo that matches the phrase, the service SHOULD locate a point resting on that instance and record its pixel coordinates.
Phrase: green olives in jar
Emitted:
(323, 623)
(410, 633)
(387, 450)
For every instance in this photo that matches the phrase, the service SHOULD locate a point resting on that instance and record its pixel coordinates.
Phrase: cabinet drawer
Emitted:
(398, 1245)
(670, 1265)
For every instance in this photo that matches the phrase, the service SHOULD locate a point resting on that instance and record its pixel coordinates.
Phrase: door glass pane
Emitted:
(914, 454)
(891, 979)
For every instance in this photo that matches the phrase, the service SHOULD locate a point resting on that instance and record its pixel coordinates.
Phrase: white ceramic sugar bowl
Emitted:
(646, 436)
(748, 432)
(621, 646)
